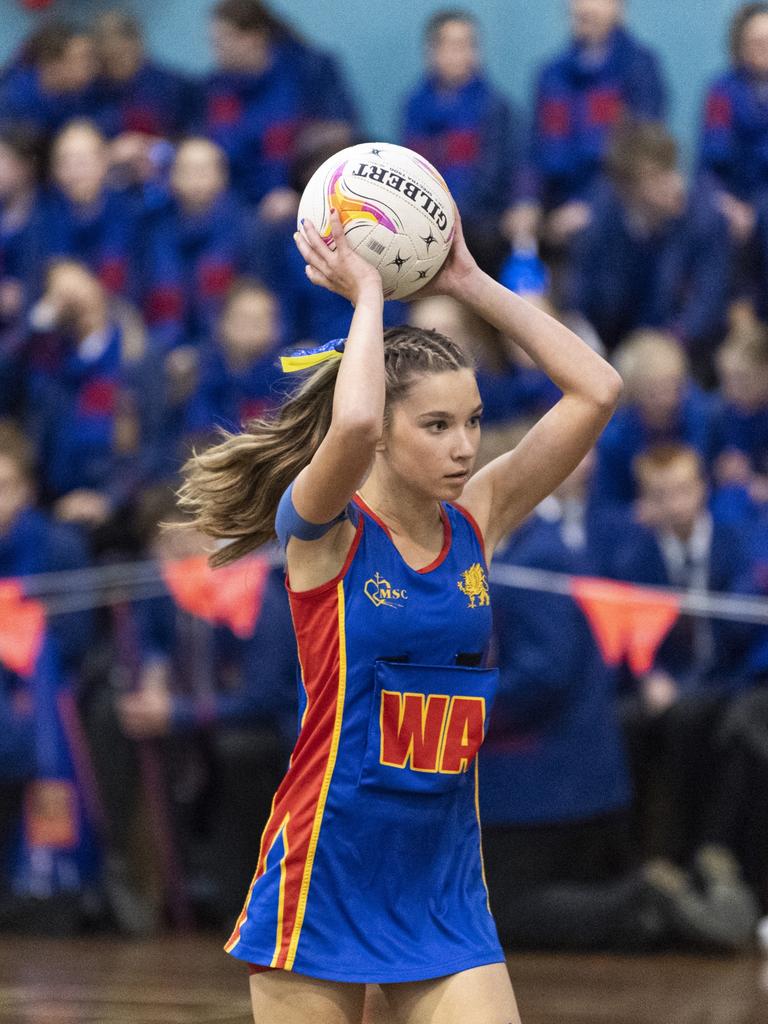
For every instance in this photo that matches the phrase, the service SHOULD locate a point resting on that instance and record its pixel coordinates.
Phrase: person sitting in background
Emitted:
(739, 445)
(660, 404)
(267, 83)
(81, 400)
(655, 253)
(466, 128)
(554, 781)
(192, 248)
(140, 97)
(21, 241)
(54, 81)
(671, 712)
(734, 132)
(604, 78)
(83, 217)
(240, 371)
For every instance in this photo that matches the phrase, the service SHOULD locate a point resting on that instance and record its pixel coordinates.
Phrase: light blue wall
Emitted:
(379, 41)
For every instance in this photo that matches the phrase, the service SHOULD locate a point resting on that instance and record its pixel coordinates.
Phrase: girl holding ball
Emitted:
(370, 868)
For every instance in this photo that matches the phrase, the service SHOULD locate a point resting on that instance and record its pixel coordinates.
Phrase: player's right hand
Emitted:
(337, 268)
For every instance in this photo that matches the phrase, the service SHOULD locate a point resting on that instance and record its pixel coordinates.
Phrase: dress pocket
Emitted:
(426, 725)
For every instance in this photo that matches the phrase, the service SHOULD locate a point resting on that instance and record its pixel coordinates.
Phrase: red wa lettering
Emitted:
(411, 729)
(463, 733)
(430, 733)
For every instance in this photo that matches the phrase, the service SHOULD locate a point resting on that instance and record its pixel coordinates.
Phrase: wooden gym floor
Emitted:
(191, 981)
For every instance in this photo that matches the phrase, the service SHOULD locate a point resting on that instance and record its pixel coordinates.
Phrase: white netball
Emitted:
(395, 208)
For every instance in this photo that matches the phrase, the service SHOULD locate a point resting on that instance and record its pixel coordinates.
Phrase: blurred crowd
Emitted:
(148, 279)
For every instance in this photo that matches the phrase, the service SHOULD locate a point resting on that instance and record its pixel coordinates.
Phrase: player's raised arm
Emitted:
(505, 491)
(339, 465)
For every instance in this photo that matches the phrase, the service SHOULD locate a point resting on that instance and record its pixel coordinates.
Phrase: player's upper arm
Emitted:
(324, 488)
(503, 493)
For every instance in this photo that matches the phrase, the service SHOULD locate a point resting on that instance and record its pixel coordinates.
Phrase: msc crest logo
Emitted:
(474, 584)
(381, 592)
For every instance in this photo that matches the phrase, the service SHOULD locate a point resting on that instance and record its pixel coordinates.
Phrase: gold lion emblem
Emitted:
(474, 584)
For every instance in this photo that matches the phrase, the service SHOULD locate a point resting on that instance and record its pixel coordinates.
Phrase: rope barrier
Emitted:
(75, 590)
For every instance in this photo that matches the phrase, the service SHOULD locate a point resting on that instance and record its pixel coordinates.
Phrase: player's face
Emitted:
(433, 434)
(592, 21)
(77, 67)
(659, 190)
(659, 392)
(454, 55)
(742, 382)
(753, 50)
(235, 50)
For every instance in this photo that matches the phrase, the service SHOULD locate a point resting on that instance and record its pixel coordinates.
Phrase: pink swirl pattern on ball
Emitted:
(350, 208)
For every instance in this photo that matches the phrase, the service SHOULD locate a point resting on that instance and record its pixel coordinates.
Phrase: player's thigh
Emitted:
(282, 997)
(481, 995)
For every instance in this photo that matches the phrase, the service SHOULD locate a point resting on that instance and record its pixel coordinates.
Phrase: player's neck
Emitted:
(407, 513)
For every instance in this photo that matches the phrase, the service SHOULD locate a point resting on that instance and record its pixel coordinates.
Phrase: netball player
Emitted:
(370, 868)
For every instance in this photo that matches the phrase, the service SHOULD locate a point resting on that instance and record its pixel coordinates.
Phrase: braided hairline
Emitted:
(414, 349)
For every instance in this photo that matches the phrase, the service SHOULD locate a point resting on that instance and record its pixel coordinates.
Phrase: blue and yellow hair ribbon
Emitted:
(305, 358)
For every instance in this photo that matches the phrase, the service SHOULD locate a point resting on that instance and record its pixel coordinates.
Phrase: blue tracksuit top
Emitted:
(626, 435)
(471, 135)
(23, 100)
(104, 236)
(228, 396)
(577, 106)
(638, 557)
(156, 101)
(676, 279)
(253, 680)
(734, 134)
(554, 751)
(190, 263)
(256, 118)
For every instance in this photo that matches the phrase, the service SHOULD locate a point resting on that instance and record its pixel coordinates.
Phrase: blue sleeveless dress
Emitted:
(370, 867)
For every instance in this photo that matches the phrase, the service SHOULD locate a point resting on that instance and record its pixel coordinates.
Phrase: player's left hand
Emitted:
(457, 272)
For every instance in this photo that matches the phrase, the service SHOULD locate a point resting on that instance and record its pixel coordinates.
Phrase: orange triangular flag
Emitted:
(230, 596)
(628, 621)
(22, 625)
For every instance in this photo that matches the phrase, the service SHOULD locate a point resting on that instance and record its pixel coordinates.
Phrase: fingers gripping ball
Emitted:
(395, 208)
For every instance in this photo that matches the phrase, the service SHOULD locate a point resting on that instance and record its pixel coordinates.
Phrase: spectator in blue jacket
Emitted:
(83, 382)
(605, 77)
(84, 218)
(266, 85)
(54, 82)
(739, 445)
(734, 133)
(192, 247)
(466, 128)
(674, 708)
(139, 95)
(655, 253)
(660, 404)
(554, 780)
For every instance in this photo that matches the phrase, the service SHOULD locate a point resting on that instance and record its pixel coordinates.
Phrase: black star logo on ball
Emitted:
(429, 240)
(376, 152)
(422, 274)
(398, 261)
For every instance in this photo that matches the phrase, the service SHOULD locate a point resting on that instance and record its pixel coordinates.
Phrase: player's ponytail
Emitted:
(232, 489)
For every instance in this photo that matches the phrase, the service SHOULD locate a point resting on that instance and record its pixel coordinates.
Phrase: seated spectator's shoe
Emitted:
(695, 920)
(729, 897)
